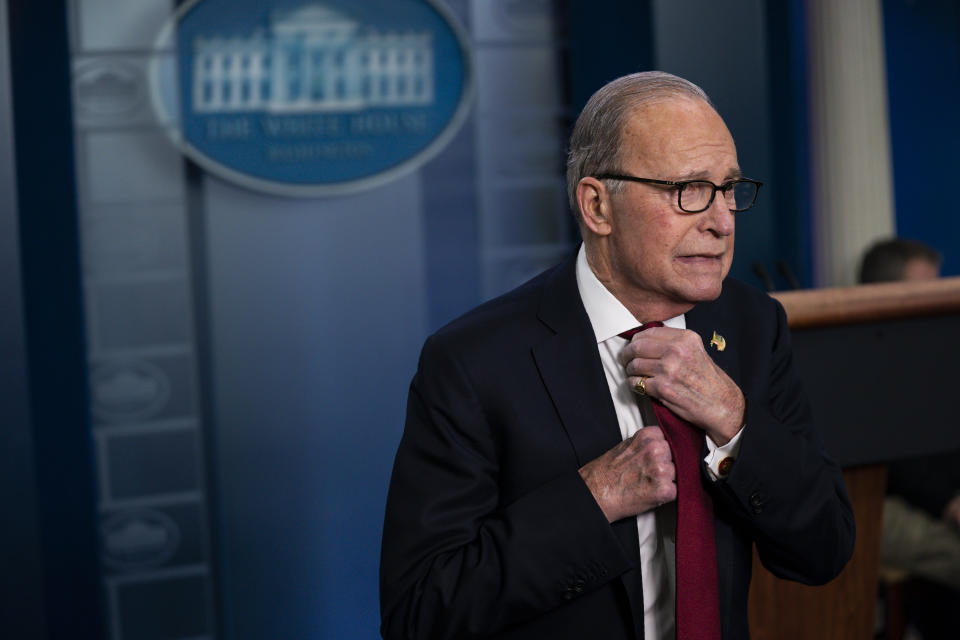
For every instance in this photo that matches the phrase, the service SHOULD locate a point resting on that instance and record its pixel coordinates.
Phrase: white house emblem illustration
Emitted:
(311, 97)
(309, 60)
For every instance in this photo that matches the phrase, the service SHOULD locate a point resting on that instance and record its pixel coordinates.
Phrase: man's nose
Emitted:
(718, 218)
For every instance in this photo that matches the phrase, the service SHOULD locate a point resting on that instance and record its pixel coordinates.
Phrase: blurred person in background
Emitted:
(899, 259)
(921, 514)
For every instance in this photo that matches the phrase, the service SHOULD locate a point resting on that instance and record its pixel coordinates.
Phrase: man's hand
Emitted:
(633, 477)
(681, 375)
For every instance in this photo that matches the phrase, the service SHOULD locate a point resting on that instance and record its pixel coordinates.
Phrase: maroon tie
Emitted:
(698, 602)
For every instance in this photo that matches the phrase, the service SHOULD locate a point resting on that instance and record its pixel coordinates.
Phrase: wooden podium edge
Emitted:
(810, 308)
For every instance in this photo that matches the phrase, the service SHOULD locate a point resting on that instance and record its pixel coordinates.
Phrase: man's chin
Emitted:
(702, 292)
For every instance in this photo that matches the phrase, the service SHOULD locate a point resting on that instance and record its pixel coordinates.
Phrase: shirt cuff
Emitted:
(720, 459)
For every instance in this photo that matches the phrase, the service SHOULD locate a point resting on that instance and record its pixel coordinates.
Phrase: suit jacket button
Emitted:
(575, 589)
(756, 503)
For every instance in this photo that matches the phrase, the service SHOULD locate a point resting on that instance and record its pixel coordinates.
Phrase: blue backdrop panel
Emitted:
(317, 312)
(923, 80)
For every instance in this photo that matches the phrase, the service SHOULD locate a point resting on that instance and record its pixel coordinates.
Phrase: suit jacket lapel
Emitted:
(570, 367)
(707, 318)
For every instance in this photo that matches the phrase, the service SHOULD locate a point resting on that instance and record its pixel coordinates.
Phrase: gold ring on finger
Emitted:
(641, 386)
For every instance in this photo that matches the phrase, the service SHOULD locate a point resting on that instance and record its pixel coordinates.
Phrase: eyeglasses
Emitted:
(694, 196)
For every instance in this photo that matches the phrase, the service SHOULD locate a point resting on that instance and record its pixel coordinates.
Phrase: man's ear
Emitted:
(594, 201)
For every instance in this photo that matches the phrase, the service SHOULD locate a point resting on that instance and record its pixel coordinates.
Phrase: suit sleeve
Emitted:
(456, 560)
(784, 490)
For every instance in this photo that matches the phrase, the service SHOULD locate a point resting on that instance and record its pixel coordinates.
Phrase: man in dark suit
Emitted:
(533, 493)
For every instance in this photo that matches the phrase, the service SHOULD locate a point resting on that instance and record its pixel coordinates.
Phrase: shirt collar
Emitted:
(607, 315)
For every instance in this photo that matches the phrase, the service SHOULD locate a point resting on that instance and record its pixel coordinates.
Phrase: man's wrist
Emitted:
(735, 421)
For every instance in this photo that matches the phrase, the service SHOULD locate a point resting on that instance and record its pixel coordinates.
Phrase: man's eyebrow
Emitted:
(732, 174)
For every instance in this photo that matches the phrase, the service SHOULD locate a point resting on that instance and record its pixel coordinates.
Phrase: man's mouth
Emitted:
(701, 257)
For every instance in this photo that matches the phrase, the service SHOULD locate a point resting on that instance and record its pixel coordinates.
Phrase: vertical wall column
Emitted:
(851, 173)
(524, 223)
(21, 590)
(56, 434)
(144, 357)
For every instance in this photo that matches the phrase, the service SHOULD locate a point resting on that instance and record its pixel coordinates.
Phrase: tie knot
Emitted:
(629, 333)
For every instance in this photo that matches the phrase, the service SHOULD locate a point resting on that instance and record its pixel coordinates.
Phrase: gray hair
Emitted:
(595, 141)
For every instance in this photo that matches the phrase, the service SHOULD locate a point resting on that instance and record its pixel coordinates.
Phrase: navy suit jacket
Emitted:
(490, 530)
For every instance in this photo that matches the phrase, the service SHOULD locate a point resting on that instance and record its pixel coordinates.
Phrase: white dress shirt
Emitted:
(657, 528)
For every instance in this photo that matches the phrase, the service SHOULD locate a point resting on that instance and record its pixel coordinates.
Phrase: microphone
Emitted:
(787, 273)
(761, 272)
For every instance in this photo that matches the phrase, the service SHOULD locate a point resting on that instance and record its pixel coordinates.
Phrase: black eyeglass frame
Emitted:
(682, 184)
